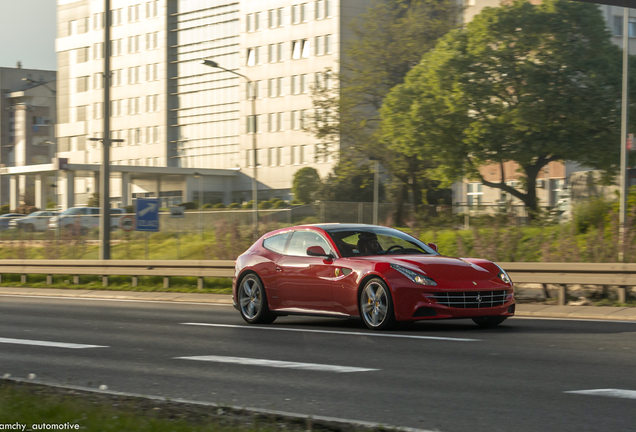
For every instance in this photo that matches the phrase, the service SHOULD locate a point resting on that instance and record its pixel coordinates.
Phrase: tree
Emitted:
(93, 201)
(349, 183)
(389, 40)
(306, 184)
(523, 83)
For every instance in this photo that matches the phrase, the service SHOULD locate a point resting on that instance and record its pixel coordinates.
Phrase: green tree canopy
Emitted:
(524, 83)
(389, 39)
(306, 184)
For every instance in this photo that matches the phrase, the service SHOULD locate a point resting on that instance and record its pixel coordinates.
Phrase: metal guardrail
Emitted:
(106, 268)
(562, 274)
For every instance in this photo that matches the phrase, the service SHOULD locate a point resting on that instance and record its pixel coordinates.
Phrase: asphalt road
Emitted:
(445, 375)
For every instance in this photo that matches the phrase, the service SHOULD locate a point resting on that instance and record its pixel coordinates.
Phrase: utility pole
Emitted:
(624, 181)
(104, 177)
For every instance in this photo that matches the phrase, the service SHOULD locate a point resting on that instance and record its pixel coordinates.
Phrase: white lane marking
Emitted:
(241, 409)
(615, 393)
(117, 300)
(278, 364)
(48, 343)
(595, 320)
(334, 332)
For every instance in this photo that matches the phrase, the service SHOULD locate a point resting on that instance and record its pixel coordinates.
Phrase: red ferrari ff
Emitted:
(379, 274)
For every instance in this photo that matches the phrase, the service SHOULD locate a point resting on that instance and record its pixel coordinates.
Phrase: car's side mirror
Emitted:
(318, 251)
(433, 246)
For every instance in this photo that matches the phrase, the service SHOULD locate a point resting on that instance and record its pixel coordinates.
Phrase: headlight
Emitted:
(414, 276)
(504, 276)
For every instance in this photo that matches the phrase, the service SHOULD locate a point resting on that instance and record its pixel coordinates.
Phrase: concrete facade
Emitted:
(171, 111)
(27, 130)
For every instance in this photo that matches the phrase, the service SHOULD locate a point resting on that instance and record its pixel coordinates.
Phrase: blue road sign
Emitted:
(147, 210)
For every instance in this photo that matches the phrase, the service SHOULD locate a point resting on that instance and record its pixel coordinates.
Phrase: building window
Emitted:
(295, 14)
(305, 48)
(617, 28)
(257, 21)
(279, 52)
(133, 13)
(272, 53)
(320, 9)
(328, 44)
(474, 194)
(116, 17)
(327, 8)
(300, 48)
(82, 84)
(304, 13)
(116, 47)
(271, 18)
(98, 81)
(98, 51)
(279, 14)
(320, 47)
(152, 40)
(248, 23)
(252, 124)
(251, 56)
(152, 9)
(98, 21)
(295, 84)
(248, 89)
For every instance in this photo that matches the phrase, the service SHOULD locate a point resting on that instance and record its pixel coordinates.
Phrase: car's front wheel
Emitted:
(252, 301)
(376, 305)
(489, 321)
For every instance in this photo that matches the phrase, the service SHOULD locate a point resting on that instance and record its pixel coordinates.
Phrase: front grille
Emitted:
(472, 299)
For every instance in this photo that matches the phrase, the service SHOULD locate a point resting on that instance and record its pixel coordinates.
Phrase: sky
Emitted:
(27, 33)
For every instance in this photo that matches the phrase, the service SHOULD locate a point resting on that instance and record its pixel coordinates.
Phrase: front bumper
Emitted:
(415, 305)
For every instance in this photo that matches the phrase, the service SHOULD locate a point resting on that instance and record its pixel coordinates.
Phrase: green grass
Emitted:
(30, 405)
(123, 283)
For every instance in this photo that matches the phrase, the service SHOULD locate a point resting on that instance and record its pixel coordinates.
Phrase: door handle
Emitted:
(278, 269)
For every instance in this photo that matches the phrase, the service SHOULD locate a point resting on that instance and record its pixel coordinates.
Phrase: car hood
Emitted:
(440, 267)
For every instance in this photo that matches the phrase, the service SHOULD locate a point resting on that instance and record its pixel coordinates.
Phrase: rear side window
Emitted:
(277, 243)
(303, 240)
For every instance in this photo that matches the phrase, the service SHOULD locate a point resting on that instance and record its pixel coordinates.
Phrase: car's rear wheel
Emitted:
(489, 321)
(252, 301)
(376, 305)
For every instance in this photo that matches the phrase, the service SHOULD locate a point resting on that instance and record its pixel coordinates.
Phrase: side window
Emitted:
(94, 211)
(277, 243)
(304, 239)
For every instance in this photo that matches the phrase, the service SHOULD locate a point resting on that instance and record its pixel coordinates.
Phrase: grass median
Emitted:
(40, 407)
(122, 283)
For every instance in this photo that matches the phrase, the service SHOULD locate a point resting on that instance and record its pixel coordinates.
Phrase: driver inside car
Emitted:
(368, 244)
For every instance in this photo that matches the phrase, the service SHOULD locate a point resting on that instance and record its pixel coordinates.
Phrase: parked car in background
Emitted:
(82, 219)
(5, 219)
(37, 221)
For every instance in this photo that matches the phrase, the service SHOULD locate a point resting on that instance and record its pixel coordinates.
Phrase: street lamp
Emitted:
(211, 63)
(198, 177)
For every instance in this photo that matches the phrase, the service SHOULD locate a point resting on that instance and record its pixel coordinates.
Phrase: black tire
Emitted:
(489, 321)
(252, 301)
(376, 305)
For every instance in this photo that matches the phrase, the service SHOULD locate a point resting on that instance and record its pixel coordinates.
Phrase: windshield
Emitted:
(40, 213)
(72, 211)
(367, 241)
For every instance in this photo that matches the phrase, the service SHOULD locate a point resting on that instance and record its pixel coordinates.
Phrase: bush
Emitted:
(279, 204)
(264, 205)
(591, 213)
(248, 205)
(234, 206)
(129, 208)
(189, 205)
(206, 206)
(51, 205)
(5, 209)
(219, 206)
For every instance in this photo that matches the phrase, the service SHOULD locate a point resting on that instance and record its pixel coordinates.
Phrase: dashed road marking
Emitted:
(278, 364)
(615, 393)
(48, 343)
(334, 332)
